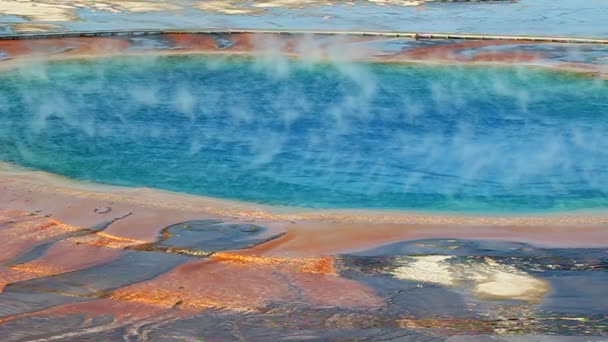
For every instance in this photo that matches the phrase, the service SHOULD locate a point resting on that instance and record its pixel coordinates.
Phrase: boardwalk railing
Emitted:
(412, 35)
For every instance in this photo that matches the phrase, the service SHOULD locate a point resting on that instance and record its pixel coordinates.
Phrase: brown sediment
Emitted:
(511, 57)
(191, 41)
(342, 47)
(62, 47)
(449, 51)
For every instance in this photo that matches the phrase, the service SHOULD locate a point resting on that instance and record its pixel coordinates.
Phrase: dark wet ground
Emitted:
(575, 305)
(47, 308)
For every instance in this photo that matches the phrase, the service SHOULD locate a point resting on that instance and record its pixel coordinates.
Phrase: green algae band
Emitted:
(330, 135)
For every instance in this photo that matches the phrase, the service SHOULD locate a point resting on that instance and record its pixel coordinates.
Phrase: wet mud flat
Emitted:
(84, 264)
(400, 291)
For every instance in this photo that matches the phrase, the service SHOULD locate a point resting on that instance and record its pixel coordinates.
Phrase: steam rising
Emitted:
(387, 136)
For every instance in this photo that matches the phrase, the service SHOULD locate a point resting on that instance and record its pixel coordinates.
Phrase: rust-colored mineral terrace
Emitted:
(315, 47)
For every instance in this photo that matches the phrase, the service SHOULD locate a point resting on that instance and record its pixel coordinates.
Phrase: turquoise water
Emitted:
(325, 135)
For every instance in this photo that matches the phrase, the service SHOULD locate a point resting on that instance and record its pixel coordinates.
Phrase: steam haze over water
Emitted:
(311, 134)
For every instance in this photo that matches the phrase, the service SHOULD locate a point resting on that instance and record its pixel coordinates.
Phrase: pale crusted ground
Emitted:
(244, 7)
(66, 10)
(530, 17)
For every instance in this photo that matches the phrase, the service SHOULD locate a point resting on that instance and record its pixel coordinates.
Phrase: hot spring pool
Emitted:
(328, 135)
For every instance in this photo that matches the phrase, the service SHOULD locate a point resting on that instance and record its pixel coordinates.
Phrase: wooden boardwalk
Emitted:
(411, 35)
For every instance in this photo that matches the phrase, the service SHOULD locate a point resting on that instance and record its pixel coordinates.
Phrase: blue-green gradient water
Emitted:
(319, 135)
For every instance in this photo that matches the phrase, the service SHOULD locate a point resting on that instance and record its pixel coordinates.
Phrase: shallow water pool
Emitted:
(318, 135)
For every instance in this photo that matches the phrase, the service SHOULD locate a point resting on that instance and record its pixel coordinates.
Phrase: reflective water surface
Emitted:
(329, 135)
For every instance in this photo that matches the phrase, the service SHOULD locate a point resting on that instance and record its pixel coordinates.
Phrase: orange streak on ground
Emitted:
(322, 265)
(168, 299)
(450, 51)
(248, 283)
(21, 231)
(36, 269)
(24, 233)
(8, 214)
(65, 256)
(8, 276)
(109, 241)
(200, 285)
(66, 46)
(511, 57)
(192, 41)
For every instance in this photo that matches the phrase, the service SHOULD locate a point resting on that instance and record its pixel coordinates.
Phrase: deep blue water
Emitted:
(316, 135)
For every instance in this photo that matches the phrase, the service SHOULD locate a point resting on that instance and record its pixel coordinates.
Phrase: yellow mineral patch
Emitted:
(512, 286)
(492, 280)
(36, 269)
(427, 269)
(495, 281)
